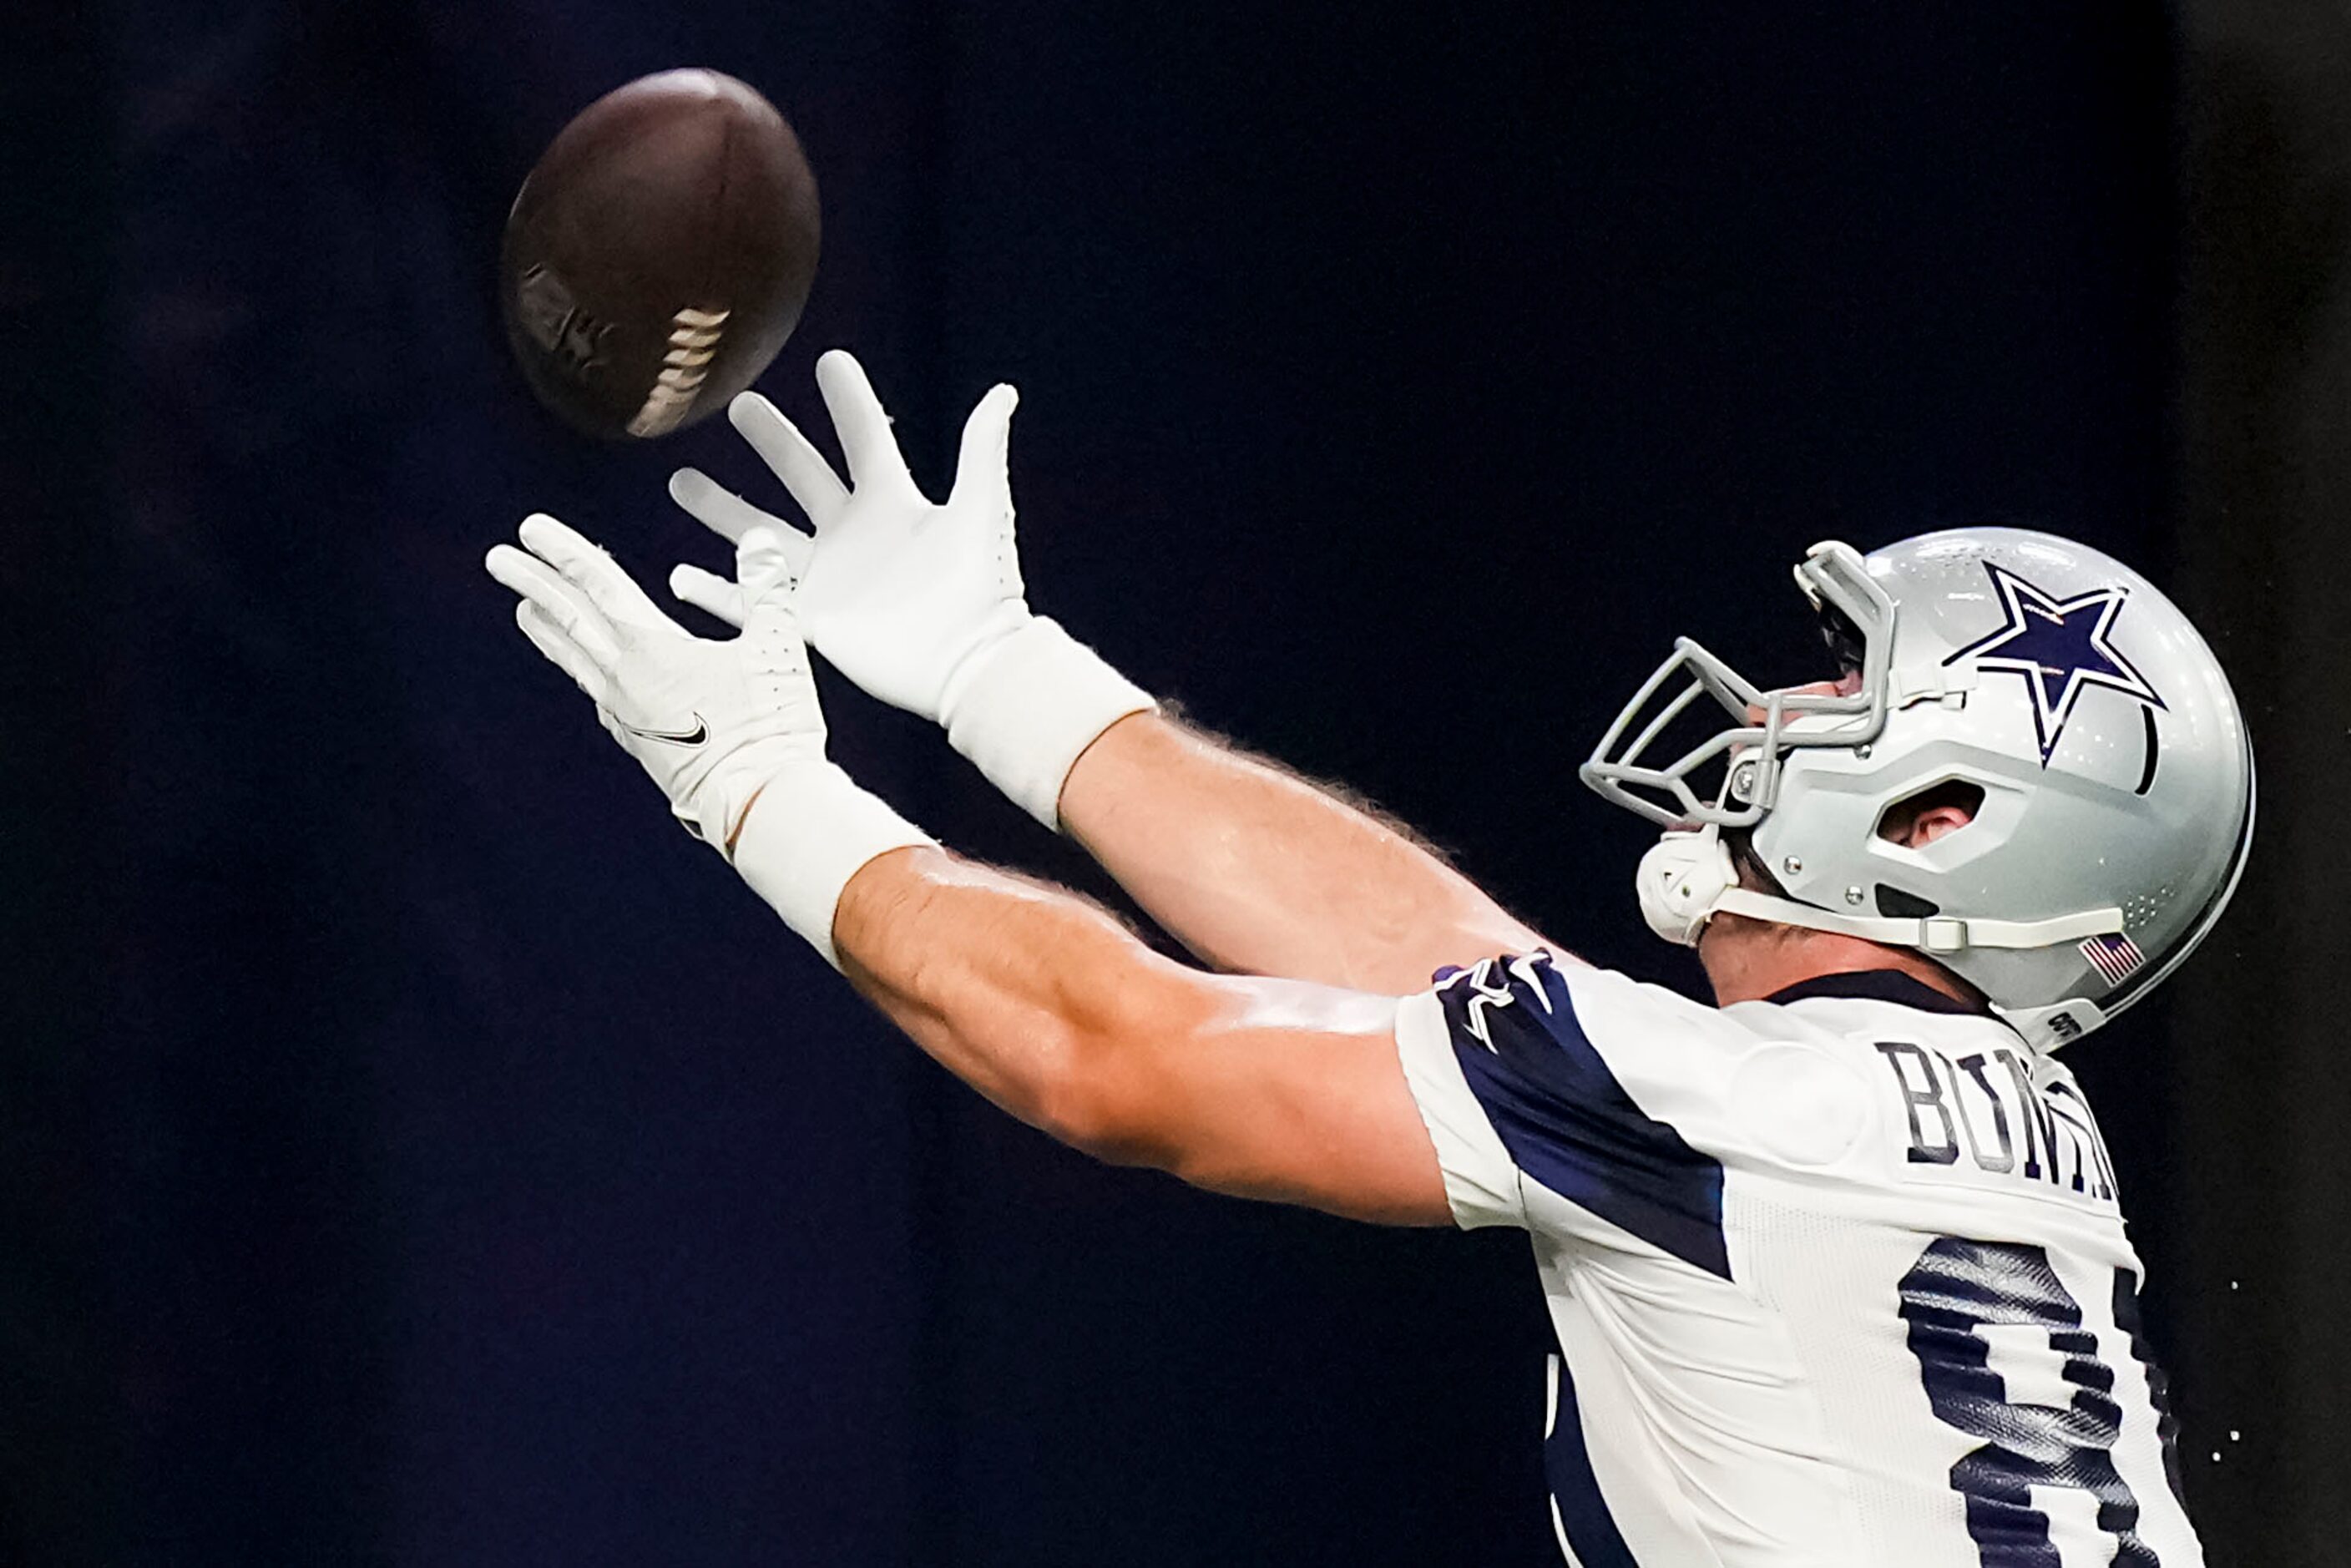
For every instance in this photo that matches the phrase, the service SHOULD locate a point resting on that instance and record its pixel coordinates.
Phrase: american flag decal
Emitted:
(2116, 957)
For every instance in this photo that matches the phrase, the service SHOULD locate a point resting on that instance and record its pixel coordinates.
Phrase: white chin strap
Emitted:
(1686, 879)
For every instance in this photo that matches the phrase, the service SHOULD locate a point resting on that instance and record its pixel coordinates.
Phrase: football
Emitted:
(659, 254)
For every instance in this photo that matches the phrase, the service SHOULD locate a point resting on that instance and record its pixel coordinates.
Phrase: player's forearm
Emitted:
(1259, 1088)
(1024, 992)
(1258, 871)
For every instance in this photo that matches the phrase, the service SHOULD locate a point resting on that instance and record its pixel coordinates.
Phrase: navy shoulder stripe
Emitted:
(1565, 1119)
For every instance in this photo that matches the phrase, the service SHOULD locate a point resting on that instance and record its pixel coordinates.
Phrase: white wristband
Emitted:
(809, 830)
(1029, 709)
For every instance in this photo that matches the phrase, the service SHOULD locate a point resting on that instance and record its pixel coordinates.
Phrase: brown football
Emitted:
(659, 255)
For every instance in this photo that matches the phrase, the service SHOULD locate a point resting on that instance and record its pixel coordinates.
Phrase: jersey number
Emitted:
(1957, 1289)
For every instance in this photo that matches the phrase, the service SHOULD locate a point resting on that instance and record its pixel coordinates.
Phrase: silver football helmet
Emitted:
(2049, 687)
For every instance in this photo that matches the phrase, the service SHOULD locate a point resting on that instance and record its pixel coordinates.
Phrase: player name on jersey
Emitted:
(1984, 1113)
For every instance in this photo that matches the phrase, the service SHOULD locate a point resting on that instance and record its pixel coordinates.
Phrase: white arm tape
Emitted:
(1026, 714)
(809, 831)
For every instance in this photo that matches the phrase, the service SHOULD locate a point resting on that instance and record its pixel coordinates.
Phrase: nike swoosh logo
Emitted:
(694, 736)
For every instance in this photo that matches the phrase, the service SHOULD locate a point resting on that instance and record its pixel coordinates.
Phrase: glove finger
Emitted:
(560, 651)
(604, 581)
(859, 420)
(791, 457)
(983, 469)
(564, 606)
(730, 517)
(716, 507)
(708, 592)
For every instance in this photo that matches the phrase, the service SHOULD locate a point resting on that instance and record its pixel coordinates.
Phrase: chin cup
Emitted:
(1681, 881)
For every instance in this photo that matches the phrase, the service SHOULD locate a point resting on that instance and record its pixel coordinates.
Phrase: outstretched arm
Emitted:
(1256, 868)
(923, 605)
(1269, 1089)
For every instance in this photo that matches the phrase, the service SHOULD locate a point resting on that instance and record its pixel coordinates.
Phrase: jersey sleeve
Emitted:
(1573, 1097)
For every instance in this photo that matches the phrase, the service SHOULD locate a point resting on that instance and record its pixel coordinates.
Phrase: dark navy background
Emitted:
(422, 1153)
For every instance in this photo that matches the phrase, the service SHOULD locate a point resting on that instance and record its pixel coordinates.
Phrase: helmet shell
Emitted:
(2112, 760)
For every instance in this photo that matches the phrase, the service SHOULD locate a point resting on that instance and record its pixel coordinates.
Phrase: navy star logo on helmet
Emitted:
(2061, 647)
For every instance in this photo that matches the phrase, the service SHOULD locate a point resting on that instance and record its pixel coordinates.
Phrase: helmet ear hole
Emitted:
(1899, 822)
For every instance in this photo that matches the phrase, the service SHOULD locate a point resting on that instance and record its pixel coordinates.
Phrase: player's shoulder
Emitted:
(1564, 1031)
(1543, 994)
(1570, 993)
(1813, 1054)
(1632, 1101)
(1838, 1013)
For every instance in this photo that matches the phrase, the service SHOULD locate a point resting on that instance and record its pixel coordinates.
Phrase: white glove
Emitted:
(921, 605)
(720, 726)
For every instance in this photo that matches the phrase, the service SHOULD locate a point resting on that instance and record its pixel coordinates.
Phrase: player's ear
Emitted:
(1933, 823)
(1927, 816)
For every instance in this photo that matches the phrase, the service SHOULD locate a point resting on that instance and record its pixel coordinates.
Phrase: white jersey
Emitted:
(1839, 1279)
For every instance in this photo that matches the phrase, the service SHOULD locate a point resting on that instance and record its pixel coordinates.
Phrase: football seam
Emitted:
(693, 338)
(694, 334)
